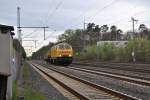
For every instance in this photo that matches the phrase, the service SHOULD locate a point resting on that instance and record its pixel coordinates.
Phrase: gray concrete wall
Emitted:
(12, 69)
(8, 61)
(5, 50)
(14, 61)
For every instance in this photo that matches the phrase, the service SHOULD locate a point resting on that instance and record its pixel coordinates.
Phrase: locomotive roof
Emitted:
(63, 43)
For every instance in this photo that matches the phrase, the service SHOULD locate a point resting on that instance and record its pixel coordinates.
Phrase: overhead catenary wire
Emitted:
(127, 18)
(29, 34)
(51, 35)
(137, 13)
(92, 16)
(83, 13)
(51, 14)
(100, 10)
(117, 21)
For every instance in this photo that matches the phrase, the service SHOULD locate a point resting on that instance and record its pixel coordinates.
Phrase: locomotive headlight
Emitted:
(70, 55)
(60, 55)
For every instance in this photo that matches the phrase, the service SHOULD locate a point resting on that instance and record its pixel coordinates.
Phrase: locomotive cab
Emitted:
(64, 53)
(61, 54)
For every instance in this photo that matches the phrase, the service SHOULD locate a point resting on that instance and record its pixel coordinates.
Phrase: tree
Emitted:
(90, 27)
(144, 32)
(18, 47)
(97, 29)
(143, 28)
(66, 36)
(104, 28)
(41, 53)
(113, 28)
(73, 37)
(113, 31)
(116, 34)
(120, 36)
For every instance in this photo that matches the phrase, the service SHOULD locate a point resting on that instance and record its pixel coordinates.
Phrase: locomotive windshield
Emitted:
(67, 46)
(64, 46)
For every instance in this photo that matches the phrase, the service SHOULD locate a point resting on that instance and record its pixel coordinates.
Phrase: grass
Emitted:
(26, 73)
(14, 90)
(28, 93)
(32, 95)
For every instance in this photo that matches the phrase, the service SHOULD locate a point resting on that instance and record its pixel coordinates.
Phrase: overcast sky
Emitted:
(60, 15)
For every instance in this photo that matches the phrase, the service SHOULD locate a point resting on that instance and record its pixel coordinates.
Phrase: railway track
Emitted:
(138, 65)
(130, 67)
(82, 89)
(135, 80)
(133, 73)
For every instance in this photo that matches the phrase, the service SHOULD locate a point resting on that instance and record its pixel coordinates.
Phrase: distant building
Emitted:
(6, 56)
(115, 43)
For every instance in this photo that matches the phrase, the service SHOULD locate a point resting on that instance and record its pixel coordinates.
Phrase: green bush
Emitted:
(108, 52)
(141, 47)
(105, 52)
(90, 52)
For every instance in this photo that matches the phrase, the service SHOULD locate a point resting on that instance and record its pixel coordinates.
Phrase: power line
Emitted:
(29, 34)
(125, 18)
(50, 35)
(36, 27)
(137, 13)
(145, 21)
(50, 15)
(133, 22)
(83, 13)
(102, 9)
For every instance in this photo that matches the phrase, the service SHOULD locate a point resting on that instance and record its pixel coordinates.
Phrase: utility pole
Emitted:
(19, 36)
(18, 25)
(133, 22)
(133, 51)
(44, 32)
(35, 42)
(84, 25)
(84, 41)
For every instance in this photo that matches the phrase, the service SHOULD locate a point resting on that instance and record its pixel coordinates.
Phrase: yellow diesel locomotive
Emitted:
(61, 53)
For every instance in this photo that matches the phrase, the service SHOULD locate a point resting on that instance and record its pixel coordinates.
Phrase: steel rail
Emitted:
(113, 66)
(103, 88)
(80, 96)
(117, 76)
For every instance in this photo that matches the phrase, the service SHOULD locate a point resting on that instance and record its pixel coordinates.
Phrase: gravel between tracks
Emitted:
(131, 73)
(37, 82)
(125, 87)
(127, 65)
